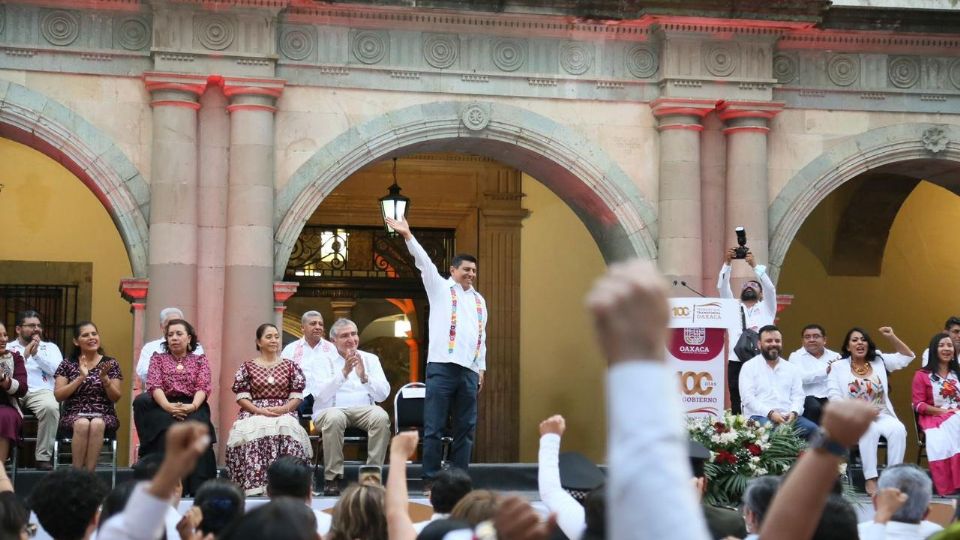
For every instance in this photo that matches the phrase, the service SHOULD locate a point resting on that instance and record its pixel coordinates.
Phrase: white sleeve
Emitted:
(894, 361)
(835, 381)
(319, 382)
(769, 304)
(571, 517)
(49, 358)
(650, 495)
(797, 396)
(377, 384)
(723, 282)
(142, 518)
(482, 354)
(143, 363)
(428, 271)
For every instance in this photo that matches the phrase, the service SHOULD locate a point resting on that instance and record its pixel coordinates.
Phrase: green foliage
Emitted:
(741, 449)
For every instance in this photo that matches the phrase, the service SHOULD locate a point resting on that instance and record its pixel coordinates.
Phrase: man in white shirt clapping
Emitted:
(815, 361)
(346, 388)
(771, 388)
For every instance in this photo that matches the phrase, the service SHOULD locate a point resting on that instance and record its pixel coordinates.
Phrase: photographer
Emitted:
(758, 306)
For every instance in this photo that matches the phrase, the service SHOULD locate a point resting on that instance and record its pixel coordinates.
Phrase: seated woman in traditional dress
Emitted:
(269, 390)
(936, 399)
(179, 382)
(13, 384)
(861, 373)
(88, 384)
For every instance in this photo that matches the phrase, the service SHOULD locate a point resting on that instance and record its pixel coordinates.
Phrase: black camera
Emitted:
(741, 251)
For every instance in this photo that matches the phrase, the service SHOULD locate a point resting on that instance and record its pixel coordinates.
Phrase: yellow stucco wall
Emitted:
(914, 292)
(49, 215)
(561, 368)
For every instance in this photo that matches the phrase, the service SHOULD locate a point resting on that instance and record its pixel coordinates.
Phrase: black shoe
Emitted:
(331, 488)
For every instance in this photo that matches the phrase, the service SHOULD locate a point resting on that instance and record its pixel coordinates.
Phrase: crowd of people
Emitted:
(836, 400)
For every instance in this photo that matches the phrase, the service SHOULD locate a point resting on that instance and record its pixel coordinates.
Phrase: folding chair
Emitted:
(921, 437)
(408, 404)
(63, 446)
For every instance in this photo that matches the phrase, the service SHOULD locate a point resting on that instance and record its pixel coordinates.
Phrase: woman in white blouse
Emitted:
(862, 374)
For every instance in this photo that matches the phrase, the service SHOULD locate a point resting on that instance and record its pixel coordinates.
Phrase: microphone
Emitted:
(698, 293)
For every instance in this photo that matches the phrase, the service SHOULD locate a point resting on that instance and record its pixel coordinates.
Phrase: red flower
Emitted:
(725, 457)
(720, 427)
(754, 449)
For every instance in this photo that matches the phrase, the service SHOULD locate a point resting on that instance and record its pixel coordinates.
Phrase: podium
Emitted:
(697, 349)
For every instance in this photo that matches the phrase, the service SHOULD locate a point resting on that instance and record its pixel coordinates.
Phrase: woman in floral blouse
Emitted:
(269, 390)
(861, 374)
(936, 399)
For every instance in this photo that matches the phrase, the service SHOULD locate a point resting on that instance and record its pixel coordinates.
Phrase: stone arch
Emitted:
(32, 119)
(906, 149)
(599, 191)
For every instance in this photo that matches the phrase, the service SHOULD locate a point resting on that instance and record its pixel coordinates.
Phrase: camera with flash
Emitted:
(740, 252)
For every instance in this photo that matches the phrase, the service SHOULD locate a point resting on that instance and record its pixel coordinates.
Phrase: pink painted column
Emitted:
(134, 290)
(282, 291)
(679, 242)
(173, 193)
(248, 285)
(214, 150)
(747, 124)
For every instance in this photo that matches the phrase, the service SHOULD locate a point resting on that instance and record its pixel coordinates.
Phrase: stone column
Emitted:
(282, 291)
(248, 282)
(679, 243)
(173, 193)
(214, 148)
(498, 279)
(134, 290)
(747, 124)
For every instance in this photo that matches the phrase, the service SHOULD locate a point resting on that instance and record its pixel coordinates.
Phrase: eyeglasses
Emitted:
(32, 325)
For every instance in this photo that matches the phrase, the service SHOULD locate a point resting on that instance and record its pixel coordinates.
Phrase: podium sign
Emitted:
(697, 350)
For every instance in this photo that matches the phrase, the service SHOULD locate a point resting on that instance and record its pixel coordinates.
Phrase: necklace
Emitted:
(269, 366)
(860, 369)
(180, 362)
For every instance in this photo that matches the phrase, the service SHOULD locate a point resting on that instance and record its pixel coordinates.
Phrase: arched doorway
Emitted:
(502, 425)
(874, 246)
(90, 232)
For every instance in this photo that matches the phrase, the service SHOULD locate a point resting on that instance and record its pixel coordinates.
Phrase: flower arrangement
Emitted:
(741, 449)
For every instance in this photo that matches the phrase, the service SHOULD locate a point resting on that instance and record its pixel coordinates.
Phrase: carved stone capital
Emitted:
(252, 94)
(174, 89)
(681, 113)
(748, 115)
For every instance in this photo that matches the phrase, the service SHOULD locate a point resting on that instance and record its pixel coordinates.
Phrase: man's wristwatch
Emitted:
(821, 440)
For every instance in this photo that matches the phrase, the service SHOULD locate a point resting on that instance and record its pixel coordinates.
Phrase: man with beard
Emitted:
(42, 359)
(772, 388)
(757, 310)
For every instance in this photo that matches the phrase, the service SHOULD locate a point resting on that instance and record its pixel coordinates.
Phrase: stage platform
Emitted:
(496, 476)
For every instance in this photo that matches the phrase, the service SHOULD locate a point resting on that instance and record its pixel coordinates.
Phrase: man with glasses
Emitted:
(42, 359)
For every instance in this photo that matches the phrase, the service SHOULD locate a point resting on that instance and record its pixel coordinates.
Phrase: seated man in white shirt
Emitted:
(815, 361)
(771, 388)
(311, 345)
(309, 349)
(291, 477)
(42, 358)
(346, 386)
(906, 522)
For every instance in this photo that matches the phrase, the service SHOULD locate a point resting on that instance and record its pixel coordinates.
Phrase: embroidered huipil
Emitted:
(458, 317)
